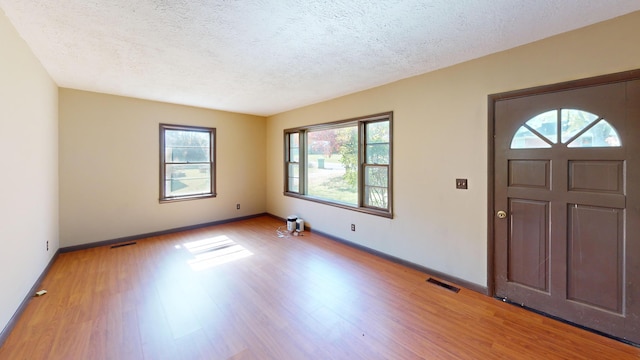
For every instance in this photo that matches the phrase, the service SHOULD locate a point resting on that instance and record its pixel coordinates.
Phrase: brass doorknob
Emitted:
(501, 214)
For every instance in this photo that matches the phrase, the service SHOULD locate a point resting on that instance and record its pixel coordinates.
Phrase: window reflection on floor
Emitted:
(214, 251)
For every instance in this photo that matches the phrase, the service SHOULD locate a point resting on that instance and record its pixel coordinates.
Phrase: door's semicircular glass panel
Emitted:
(574, 121)
(538, 132)
(601, 134)
(571, 127)
(546, 124)
(526, 139)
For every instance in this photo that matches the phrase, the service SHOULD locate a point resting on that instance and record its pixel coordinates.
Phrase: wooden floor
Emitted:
(238, 291)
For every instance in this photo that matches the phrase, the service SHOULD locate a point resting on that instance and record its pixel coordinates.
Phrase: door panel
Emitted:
(528, 250)
(596, 176)
(570, 244)
(529, 173)
(594, 274)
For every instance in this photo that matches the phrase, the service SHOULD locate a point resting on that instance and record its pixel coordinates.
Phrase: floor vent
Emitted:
(121, 245)
(441, 284)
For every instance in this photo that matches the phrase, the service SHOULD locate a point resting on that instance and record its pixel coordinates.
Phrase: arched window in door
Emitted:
(567, 127)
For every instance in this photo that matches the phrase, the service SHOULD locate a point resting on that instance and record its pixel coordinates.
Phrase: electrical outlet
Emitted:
(238, 206)
(353, 227)
(47, 245)
(461, 184)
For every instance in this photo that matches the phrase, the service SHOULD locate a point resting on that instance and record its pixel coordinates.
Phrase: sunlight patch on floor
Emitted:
(214, 251)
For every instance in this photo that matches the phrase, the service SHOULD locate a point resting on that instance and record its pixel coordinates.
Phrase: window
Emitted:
(293, 162)
(345, 163)
(577, 128)
(187, 168)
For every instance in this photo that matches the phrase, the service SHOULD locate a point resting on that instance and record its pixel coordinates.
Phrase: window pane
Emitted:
(294, 140)
(294, 155)
(573, 121)
(546, 124)
(294, 178)
(376, 176)
(378, 154)
(376, 181)
(187, 179)
(525, 139)
(294, 147)
(294, 185)
(601, 134)
(332, 164)
(377, 132)
(187, 146)
(294, 170)
(377, 142)
(376, 197)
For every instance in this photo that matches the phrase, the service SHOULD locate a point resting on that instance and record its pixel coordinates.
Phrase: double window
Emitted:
(345, 163)
(187, 167)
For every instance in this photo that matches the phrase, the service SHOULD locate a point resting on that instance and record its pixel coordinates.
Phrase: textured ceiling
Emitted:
(267, 56)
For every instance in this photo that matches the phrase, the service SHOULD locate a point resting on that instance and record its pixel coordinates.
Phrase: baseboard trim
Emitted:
(440, 275)
(67, 249)
(4, 334)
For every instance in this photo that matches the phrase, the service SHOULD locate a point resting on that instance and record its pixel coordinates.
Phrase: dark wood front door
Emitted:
(567, 204)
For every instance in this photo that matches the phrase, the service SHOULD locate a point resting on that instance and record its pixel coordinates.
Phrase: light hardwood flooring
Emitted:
(308, 297)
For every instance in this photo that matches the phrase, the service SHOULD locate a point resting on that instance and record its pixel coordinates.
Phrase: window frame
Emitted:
(289, 162)
(212, 163)
(361, 123)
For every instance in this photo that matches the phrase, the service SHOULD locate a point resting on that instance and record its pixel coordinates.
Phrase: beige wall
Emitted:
(440, 134)
(109, 167)
(28, 171)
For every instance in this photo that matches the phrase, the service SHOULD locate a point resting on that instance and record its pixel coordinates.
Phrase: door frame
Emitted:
(492, 99)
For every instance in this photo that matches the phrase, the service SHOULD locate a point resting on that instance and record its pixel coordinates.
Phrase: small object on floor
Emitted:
(41, 292)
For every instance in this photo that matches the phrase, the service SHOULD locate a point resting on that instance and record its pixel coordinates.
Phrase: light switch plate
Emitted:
(461, 184)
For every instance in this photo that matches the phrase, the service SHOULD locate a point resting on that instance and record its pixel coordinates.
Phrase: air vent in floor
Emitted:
(121, 245)
(441, 284)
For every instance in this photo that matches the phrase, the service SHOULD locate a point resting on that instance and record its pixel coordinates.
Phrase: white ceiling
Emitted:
(267, 56)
